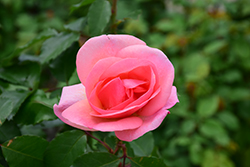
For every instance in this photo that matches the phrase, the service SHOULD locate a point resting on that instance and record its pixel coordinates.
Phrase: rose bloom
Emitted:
(126, 87)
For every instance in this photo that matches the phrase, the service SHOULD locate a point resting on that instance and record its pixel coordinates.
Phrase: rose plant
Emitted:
(126, 87)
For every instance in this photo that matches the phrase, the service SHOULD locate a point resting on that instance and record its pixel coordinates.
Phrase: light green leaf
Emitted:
(215, 159)
(213, 129)
(77, 25)
(98, 16)
(54, 46)
(42, 36)
(97, 159)
(195, 153)
(208, 106)
(81, 4)
(195, 67)
(215, 46)
(26, 150)
(144, 145)
(65, 148)
(229, 119)
(188, 126)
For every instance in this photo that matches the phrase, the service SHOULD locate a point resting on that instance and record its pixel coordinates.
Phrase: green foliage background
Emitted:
(207, 41)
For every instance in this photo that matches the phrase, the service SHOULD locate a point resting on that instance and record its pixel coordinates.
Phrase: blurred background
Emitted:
(208, 43)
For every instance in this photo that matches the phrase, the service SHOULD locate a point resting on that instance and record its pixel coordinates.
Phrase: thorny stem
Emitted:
(103, 143)
(124, 156)
(119, 145)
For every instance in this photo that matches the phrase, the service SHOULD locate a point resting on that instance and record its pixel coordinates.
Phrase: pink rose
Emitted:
(126, 87)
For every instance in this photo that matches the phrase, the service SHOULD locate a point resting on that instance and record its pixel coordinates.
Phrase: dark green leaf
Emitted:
(111, 141)
(64, 65)
(208, 106)
(147, 162)
(36, 109)
(65, 148)
(10, 101)
(98, 16)
(97, 159)
(2, 159)
(26, 150)
(81, 4)
(144, 145)
(26, 74)
(8, 131)
(156, 153)
(77, 25)
(54, 46)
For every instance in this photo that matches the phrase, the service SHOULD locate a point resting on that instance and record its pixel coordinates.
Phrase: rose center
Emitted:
(118, 91)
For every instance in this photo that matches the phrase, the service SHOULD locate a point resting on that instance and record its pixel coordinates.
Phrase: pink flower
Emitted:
(126, 87)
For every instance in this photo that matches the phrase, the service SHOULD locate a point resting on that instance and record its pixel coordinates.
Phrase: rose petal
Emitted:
(163, 68)
(113, 93)
(132, 83)
(126, 66)
(173, 99)
(149, 123)
(70, 95)
(130, 108)
(101, 47)
(121, 113)
(98, 69)
(79, 114)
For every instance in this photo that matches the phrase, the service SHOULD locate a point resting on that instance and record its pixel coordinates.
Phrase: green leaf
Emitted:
(144, 145)
(215, 159)
(42, 36)
(147, 162)
(81, 4)
(98, 16)
(229, 119)
(195, 153)
(212, 128)
(26, 150)
(38, 107)
(54, 46)
(10, 101)
(208, 106)
(26, 74)
(77, 25)
(8, 131)
(65, 148)
(65, 64)
(188, 126)
(196, 67)
(215, 46)
(97, 159)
